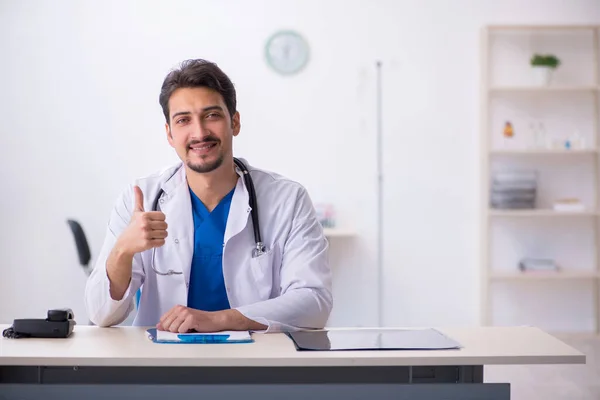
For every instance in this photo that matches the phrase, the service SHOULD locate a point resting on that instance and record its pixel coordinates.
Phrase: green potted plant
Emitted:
(543, 65)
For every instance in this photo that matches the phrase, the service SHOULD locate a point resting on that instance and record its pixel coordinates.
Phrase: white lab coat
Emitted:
(287, 288)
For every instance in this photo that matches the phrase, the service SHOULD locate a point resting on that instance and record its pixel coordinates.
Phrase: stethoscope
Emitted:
(259, 249)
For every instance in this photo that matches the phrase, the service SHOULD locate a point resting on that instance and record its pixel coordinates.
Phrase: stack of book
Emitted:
(569, 205)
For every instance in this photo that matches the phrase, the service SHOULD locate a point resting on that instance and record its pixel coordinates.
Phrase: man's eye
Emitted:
(181, 120)
(212, 115)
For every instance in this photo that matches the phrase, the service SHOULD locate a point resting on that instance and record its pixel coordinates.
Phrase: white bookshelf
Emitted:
(567, 300)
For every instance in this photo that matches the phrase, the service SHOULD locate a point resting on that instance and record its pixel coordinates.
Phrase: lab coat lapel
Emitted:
(239, 209)
(177, 208)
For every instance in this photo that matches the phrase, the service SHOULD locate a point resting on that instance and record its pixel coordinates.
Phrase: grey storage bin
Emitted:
(513, 189)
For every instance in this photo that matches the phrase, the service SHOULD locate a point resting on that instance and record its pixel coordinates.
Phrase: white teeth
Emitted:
(203, 147)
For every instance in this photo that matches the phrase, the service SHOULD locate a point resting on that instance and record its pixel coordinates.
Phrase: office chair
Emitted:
(83, 251)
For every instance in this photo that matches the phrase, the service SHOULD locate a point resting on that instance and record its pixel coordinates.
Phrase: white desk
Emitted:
(105, 362)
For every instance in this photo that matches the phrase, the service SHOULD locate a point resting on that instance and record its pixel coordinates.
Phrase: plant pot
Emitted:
(541, 75)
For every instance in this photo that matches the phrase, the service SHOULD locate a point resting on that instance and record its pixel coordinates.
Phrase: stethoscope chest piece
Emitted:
(259, 250)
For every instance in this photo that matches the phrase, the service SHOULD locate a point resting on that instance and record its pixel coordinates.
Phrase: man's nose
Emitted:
(199, 130)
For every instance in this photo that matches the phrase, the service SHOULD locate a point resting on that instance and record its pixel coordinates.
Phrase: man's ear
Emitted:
(235, 123)
(169, 136)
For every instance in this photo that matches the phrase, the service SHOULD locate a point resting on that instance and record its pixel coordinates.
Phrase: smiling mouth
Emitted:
(202, 146)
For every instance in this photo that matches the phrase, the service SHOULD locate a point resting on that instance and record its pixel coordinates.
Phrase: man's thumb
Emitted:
(139, 199)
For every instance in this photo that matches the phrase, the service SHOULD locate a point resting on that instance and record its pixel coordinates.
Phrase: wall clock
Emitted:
(287, 52)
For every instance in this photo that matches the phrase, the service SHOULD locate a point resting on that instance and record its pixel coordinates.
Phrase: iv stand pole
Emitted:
(379, 201)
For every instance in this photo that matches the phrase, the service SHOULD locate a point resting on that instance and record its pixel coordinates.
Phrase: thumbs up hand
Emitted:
(139, 199)
(146, 229)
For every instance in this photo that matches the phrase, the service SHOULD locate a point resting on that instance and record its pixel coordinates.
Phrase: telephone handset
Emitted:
(58, 324)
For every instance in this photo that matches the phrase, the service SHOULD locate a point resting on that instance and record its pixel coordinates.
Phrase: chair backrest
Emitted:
(83, 249)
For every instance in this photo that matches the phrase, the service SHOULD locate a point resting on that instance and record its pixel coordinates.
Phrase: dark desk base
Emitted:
(290, 383)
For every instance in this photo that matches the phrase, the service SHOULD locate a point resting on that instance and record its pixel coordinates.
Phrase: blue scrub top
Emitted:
(207, 286)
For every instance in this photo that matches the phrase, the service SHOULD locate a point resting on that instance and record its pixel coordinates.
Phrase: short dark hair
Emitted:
(198, 73)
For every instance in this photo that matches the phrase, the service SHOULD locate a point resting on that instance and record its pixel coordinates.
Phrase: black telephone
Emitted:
(58, 324)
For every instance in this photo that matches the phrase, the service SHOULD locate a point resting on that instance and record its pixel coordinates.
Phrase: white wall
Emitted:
(80, 120)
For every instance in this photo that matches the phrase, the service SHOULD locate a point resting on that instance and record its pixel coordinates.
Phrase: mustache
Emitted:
(208, 139)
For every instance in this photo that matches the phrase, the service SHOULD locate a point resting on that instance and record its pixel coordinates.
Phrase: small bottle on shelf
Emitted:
(508, 134)
(533, 135)
(577, 141)
(543, 140)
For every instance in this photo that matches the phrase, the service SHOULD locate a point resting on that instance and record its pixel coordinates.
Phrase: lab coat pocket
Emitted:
(263, 271)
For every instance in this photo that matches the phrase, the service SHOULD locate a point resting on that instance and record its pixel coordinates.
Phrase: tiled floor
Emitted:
(554, 382)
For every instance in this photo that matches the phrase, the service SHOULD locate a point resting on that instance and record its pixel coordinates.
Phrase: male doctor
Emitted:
(193, 256)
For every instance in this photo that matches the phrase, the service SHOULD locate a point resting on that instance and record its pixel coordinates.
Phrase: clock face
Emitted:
(287, 52)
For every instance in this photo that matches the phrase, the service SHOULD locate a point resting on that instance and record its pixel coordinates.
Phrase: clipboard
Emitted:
(224, 337)
(372, 339)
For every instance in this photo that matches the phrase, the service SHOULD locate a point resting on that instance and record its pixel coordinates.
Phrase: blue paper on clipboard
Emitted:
(199, 338)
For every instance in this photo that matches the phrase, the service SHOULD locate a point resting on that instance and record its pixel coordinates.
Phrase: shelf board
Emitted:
(541, 27)
(335, 232)
(540, 213)
(533, 152)
(544, 89)
(543, 275)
